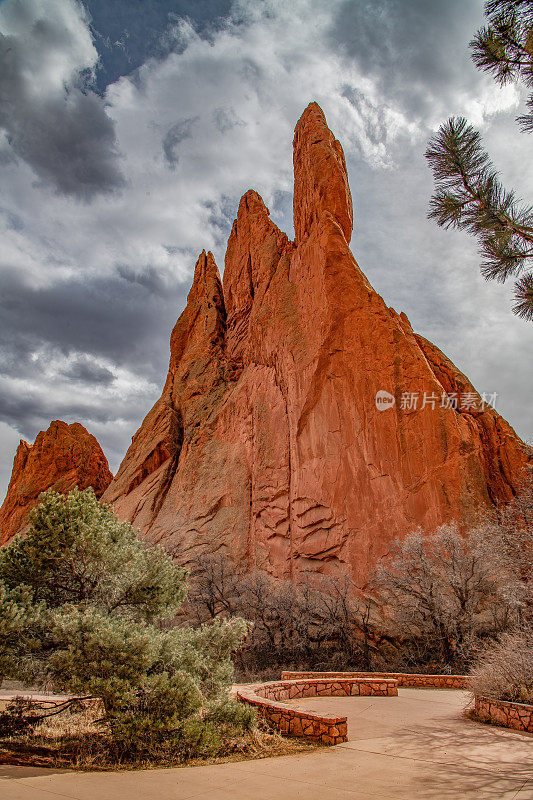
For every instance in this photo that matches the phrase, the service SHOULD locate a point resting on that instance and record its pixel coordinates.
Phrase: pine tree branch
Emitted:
(469, 196)
(526, 120)
(505, 46)
(523, 297)
(465, 180)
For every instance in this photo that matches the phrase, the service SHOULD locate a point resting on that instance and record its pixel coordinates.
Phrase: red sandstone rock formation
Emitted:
(267, 440)
(63, 457)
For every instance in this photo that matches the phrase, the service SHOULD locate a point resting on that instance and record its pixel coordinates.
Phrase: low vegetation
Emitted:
(78, 738)
(505, 670)
(88, 610)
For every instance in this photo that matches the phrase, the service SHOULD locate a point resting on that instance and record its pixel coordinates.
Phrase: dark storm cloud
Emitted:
(374, 120)
(29, 412)
(149, 279)
(54, 339)
(70, 143)
(225, 119)
(109, 317)
(51, 118)
(83, 370)
(411, 47)
(177, 133)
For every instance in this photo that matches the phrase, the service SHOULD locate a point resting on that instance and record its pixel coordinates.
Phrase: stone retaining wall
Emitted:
(512, 715)
(402, 679)
(266, 698)
(518, 716)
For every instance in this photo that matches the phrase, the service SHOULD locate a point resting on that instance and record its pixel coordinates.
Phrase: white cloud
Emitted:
(56, 43)
(49, 116)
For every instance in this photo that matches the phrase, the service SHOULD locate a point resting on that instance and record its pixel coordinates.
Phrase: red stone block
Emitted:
(296, 727)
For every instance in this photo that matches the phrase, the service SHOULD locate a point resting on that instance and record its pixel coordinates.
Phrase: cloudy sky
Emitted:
(128, 132)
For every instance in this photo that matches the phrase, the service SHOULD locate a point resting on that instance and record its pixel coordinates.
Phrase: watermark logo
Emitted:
(467, 402)
(384, 400)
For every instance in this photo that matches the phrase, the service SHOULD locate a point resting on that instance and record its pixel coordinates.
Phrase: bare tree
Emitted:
(504, 671)
(214, 586)
(347, 617)
(435, 600)
(516, 532)
(313, 622)
(446, 590)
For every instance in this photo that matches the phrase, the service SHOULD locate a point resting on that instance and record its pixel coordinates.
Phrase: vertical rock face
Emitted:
(268, 440)
(61, 458)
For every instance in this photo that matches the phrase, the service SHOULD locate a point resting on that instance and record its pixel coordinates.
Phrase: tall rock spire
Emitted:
(203, 323)
(195, 371)
(320, 177)
(269, 440)
(255, 247)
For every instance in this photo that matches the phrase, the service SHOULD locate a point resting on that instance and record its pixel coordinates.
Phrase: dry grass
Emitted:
(505, 670)
(78, 741)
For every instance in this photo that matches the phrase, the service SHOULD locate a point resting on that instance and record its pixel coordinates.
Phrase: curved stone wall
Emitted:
(409, 680)
(268, 699)
(500, 712)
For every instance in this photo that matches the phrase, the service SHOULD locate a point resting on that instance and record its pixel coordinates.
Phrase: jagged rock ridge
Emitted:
(61, 458)
(267, 440)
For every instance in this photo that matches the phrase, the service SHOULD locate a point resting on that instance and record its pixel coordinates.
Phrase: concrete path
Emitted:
(416, 746)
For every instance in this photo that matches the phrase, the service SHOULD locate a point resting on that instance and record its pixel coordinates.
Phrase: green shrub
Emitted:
(87, 609)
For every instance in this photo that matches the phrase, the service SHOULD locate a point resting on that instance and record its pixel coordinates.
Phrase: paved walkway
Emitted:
(416, 746)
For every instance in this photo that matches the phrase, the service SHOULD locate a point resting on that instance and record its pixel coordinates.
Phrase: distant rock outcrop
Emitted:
(61, 458)
(269, 439)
